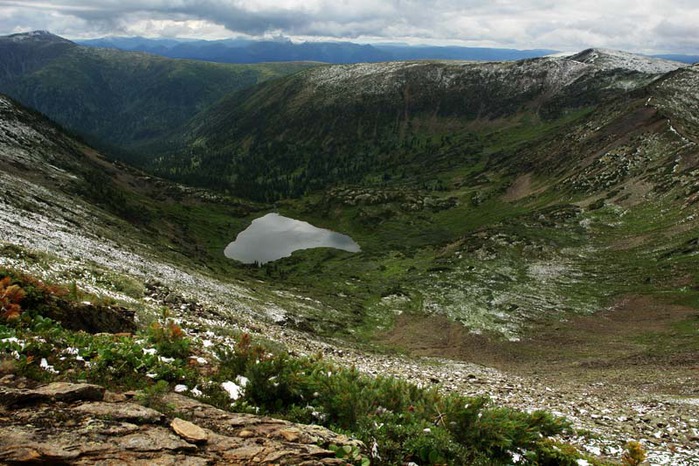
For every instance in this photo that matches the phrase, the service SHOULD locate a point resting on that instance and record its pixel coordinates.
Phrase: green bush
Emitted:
(397, 420)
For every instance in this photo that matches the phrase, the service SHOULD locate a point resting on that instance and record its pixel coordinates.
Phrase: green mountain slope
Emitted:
(482, 192)
(394, 121)
(115, 98)
(71, 321)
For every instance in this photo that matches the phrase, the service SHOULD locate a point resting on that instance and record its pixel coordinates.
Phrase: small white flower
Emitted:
(12, 340)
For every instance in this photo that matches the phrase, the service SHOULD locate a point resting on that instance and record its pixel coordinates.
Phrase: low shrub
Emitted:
(634, 454)
(399, 421)
(169, 339)
(10, 297)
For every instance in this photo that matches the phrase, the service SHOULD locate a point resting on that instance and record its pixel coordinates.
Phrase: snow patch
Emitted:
(234, 390)
(607, 59)
(44, 364)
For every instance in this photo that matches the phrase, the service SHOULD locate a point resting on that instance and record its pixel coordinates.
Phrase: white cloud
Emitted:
(638, 25)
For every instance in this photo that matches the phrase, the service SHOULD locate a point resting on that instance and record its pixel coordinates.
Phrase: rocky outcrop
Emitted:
(64, 423)
(93, 318)
(54, 392)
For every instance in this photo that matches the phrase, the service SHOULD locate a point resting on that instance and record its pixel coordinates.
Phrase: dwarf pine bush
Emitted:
(398, 421)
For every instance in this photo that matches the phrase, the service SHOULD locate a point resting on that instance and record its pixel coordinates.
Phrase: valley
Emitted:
(527, 229)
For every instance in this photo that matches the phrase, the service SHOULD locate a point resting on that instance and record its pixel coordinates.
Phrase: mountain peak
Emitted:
(608, 59)
(36, 36)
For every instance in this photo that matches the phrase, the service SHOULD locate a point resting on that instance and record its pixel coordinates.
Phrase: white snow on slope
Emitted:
(607, 59)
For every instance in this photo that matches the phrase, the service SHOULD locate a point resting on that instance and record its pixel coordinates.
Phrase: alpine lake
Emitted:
(274, 236)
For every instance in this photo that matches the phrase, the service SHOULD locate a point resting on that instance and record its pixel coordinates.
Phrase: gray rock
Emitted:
(57, 391)
(67, 429)
(154, 439)
(127, 412)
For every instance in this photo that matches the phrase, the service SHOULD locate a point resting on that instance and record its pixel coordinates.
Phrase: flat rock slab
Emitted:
(57, 391)
(35, 452)
(70, 424)
(128, 412)
(249, 426)
(157, 439)
(188, 431)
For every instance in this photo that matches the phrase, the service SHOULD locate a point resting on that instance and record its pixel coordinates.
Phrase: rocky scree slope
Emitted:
(648, 135)
(91, 220)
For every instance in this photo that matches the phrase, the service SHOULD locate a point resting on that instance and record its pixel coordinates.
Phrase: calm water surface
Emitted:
(274, 236)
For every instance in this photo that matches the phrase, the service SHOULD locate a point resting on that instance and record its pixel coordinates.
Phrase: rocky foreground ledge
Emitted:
(65, 423)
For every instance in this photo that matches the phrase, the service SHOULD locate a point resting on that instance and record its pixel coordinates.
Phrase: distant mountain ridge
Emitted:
(25, 53)
(250, 51)
(234, 128)
(254, 51)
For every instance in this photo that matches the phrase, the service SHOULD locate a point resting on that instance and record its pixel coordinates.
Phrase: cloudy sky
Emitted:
(650, 26)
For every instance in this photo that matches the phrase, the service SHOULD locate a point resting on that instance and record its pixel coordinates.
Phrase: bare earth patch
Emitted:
(521, 187)
(628, 372)
(624, 344)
